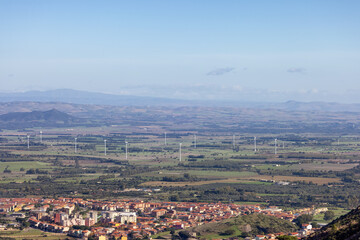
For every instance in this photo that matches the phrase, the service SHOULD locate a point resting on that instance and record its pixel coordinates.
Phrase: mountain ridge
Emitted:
(47, 118)
(50, 115)
(84, 97)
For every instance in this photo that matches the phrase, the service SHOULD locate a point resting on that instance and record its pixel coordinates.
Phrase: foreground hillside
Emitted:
(346, 227)
(246, 225)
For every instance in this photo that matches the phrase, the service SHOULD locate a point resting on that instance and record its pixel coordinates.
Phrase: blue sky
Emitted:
(239, 50)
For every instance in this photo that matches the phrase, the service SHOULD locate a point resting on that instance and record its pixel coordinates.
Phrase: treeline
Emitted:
(185, 178)
(104, 186)
(224, 165)
(348, 176)
(299, 194)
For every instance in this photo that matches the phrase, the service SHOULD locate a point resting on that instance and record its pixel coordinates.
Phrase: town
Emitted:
(132, 219)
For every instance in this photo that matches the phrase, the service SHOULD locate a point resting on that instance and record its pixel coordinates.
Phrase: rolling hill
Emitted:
(245, 225)
(346, 227)
(48, 118)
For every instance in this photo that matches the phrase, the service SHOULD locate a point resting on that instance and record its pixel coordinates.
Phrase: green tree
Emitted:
(228, 232)
(315, 225)
(329, 215)
(184, 235)
(306, 218)
(352, 202)
(174, 198)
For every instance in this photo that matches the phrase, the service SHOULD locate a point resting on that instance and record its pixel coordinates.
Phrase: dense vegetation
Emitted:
(343, 228)
(247, 225)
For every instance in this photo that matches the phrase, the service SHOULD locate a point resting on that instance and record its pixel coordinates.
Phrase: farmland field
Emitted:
(32, 234)
(219, 159)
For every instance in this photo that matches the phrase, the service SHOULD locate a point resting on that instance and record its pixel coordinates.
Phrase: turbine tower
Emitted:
(40, 136)
(254, 144)
(275, 145)
(180, 151)
(234, 141)
(75, 145)
(28, 141)
(126, 150)
(105, 147)
(165, 138)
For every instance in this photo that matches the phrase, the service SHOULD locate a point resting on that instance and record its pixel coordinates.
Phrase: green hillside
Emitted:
(346, 227)
(243, 226)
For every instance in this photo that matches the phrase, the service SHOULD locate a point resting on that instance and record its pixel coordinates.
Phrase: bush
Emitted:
(329, 215)
(228, 232)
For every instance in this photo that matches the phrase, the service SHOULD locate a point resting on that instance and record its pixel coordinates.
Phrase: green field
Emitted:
(32, 234)
(16, 166)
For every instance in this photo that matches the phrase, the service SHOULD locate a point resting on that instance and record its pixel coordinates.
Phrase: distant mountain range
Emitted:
(83, 97)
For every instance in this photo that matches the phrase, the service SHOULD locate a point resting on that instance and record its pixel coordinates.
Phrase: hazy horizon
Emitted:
(204, 50)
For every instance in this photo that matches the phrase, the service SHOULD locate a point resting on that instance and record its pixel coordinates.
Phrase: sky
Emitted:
(244, 50)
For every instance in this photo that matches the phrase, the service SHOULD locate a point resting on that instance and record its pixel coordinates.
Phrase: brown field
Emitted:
(319, 181)
(316, 180)
(325, 166)
(84, 163)
(182, 184)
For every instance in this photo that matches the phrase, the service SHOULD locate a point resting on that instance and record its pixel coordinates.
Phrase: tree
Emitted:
(352, 202)
(228, 232)
(329, 215)
(174, 198)
(306, 218)
(315, 225)
(184, 235)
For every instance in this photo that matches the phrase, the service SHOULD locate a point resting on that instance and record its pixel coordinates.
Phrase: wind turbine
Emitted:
(275, 145)
(180, 151)
(40, 136)
(234, 141)
(28, 141)
(254, 144)
(105, 147)
(75, 145)
(126, 150)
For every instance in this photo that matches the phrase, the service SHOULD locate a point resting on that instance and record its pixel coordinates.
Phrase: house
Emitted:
(306, 227)
(158, 213)
(260, 237)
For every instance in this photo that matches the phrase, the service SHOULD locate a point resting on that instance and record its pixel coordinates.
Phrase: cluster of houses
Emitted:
(132, 219)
